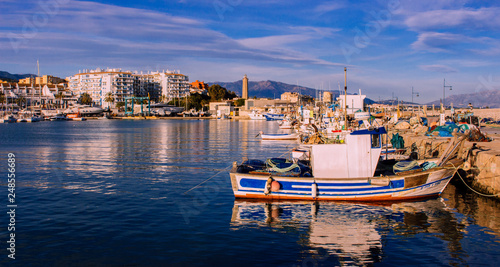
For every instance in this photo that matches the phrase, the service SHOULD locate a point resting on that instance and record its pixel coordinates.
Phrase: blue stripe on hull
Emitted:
(348, 187)
(347, 192)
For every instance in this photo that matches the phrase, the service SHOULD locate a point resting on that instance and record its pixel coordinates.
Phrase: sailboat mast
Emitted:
(345, 98)
(39, 87)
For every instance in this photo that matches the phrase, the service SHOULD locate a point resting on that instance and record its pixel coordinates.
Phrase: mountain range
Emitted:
(479, 99)
(13, 77)
(267, 89)
(273, 89)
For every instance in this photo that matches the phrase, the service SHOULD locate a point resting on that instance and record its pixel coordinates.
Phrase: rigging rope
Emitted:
(223, 170)
(196, 186)
(479, 193)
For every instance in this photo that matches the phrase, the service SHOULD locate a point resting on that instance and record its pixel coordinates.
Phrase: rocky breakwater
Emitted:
(481, 153)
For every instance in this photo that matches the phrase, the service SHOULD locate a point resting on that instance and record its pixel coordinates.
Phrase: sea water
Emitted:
(157, 193)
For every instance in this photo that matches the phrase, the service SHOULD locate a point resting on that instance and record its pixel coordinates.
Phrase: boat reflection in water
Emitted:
(350, 233)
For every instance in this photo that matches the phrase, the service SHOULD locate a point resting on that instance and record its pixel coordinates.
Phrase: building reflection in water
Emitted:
(353, 233)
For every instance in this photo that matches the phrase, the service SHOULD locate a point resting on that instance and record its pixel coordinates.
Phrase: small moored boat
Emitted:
(274, 116)
(348, 170)
(59, 117)
(290, 136)
(255, 115)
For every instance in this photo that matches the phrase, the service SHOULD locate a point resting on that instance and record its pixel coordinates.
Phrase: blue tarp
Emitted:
(380, 130)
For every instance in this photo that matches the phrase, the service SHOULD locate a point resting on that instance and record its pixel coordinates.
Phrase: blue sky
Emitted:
(387, 46)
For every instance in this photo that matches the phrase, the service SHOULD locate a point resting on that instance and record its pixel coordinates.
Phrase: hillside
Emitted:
(267, 89)
(273, 89)
(480, 99)
(13, 77)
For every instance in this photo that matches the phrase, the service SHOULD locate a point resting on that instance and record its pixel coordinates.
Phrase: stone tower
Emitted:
(245, 88)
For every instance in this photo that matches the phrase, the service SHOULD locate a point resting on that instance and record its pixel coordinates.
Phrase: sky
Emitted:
(391, 48)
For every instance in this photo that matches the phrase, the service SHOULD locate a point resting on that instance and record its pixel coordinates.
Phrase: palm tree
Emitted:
(85, 99)
(20, 101)
(59, 96)
(2, 99)
(109, 98)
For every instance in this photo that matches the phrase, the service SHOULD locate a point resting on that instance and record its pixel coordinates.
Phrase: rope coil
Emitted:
(271, 165)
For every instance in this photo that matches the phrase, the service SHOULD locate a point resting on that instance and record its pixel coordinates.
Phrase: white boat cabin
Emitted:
(356, 157)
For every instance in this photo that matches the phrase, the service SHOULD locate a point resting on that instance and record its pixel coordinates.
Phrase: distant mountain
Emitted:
(13, 77)
(273, 89)
(394, 102)
(268, 89)
(480, 99)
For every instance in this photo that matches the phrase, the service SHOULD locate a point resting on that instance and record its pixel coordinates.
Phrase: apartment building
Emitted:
(45, 79)
(165, 85)
(47, 95)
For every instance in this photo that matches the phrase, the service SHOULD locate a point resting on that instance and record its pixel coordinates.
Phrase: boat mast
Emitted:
(40, 89)
(345, 98)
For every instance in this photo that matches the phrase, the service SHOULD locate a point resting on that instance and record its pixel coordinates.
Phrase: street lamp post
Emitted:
(444, 87)
(413, 93)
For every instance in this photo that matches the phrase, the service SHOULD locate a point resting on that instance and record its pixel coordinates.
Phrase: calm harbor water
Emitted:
(110, 192)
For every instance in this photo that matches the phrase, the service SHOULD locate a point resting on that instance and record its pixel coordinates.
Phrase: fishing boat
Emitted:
(75, 116)
(286, 136)
(255, 115)
(274, 117)
(8, 119)
(58, 117)
(287, 124)
(21, 119)
(33, 118)
(347, 168)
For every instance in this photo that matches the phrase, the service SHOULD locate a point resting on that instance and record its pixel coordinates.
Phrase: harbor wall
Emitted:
(481, 169)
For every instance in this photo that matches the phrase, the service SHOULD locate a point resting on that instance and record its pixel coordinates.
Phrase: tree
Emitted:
(197, 101)
(20, 101)
(120, 105)
(240, 102)
(217, 92)
(109, 98)
(85, 99)
(59, 96)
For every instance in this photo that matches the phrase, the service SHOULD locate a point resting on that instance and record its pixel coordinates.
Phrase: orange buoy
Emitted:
(275, 186)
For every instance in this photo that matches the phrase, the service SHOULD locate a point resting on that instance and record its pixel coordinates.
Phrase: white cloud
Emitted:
(436, 42)
(438, 68)
(106, 31)
(412, 6)
(273, 42)
(478, 19)
(328, 6)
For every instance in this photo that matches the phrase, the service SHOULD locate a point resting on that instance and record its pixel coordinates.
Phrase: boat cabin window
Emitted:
(376, 140)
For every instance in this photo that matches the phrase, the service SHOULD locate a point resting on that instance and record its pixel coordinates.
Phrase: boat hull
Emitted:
(417, 185)
(256, 116)
(274, 117)
(293, 136)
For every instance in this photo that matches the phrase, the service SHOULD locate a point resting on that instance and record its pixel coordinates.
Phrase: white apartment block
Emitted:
(98, 83)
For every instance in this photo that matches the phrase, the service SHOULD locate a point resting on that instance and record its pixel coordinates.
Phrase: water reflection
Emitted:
(472, 208)
(355, 234)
